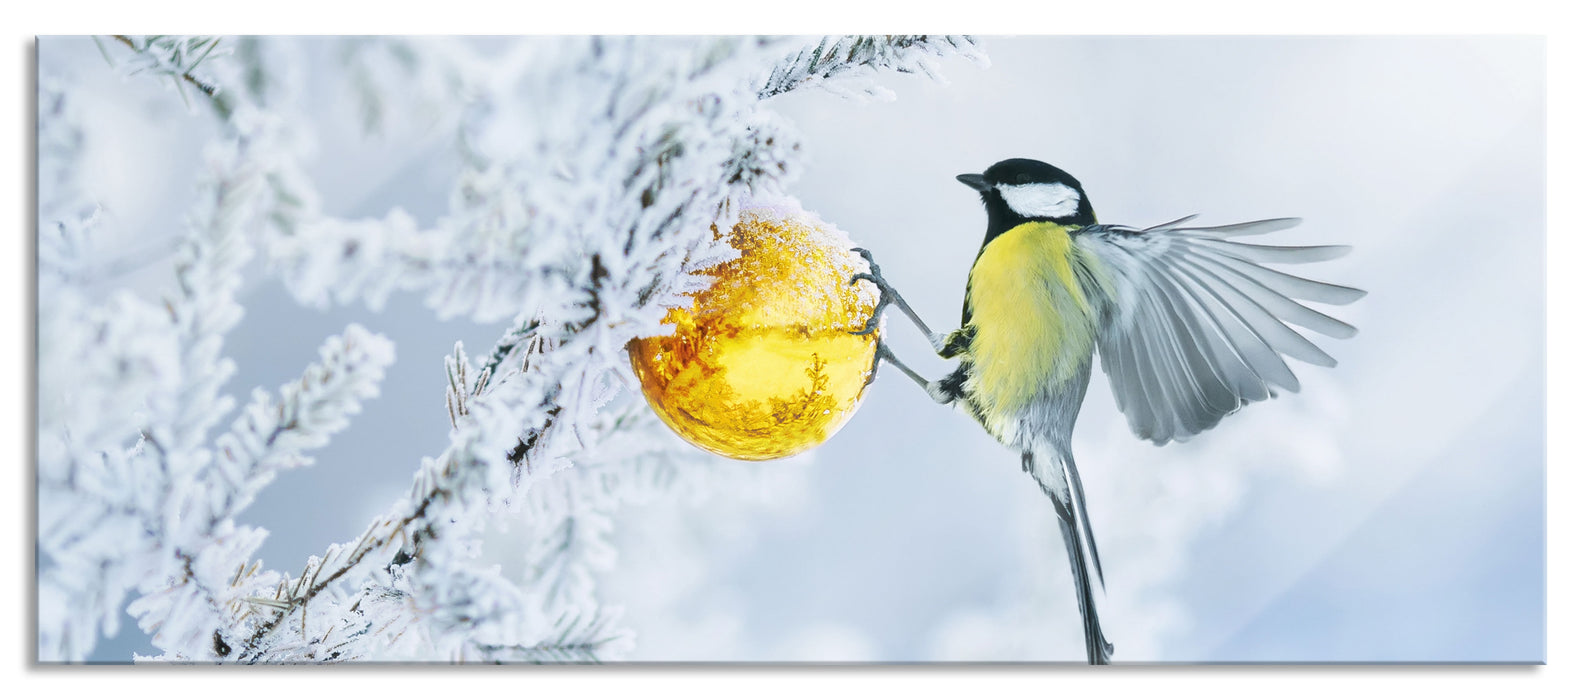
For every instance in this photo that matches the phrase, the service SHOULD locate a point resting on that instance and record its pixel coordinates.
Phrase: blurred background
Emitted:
(1393, 510)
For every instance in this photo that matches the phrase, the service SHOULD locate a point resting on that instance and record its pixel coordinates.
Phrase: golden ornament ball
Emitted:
(763, 364)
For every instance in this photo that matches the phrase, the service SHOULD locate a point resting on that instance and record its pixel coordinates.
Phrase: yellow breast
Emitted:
(1031, 322)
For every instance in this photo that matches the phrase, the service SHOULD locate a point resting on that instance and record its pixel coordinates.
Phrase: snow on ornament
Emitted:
(763, 364)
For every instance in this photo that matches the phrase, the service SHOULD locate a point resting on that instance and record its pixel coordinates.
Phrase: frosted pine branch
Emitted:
(170, 394)
(846, 65)
(241, 79)
(130, 493)
(583, 639)
(174, 58)
(539, 193)
(416, 78)
(596, 171)
(66, 211)
(437, 525)
(343, 262)
(272, 432)
(270, 435)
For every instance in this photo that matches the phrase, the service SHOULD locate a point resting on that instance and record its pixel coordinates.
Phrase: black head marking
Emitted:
(1022, 172)
(1025, 171)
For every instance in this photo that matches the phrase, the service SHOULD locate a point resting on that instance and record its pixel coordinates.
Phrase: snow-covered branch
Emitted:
(845, 65)
(66, 211)
(596, 171)
(176, 58)
(131, 493)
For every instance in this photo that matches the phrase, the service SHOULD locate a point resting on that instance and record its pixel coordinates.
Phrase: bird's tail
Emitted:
(1056, 472)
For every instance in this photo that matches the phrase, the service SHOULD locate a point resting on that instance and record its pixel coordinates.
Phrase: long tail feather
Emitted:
(1099, 649)
(1059, 479)
(1079, 502)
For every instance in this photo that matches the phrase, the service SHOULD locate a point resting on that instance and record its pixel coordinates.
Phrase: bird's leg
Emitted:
(887, 296)
(883, 353)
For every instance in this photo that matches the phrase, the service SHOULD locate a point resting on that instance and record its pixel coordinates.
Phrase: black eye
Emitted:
(1023, 179)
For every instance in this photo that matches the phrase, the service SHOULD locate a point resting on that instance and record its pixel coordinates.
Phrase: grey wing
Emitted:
(1193, 326)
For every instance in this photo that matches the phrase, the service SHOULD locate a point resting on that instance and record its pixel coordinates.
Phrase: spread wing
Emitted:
(1193, 326)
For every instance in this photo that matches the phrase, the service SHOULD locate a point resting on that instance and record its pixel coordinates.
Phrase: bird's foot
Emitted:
(880, 354)
(886, 297)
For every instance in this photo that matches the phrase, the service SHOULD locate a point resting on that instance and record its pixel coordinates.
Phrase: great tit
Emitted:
(1187, 323)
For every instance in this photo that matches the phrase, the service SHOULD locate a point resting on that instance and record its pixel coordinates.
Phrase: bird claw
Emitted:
(880, 354)
(873, 321)
(886, 296)
(868, 258)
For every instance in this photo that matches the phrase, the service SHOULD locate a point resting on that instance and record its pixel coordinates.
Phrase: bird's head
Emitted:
(1019, 190)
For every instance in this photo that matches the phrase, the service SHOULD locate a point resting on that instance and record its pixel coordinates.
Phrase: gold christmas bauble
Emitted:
(763, 363)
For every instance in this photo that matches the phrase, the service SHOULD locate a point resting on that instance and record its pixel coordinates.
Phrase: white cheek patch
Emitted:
(1045, 199)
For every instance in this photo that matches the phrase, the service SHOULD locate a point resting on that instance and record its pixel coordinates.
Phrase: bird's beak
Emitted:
(975, 181)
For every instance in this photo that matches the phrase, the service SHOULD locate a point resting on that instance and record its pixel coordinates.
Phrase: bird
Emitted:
(1188, 323)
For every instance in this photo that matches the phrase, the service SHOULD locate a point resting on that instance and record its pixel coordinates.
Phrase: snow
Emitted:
(591, 171)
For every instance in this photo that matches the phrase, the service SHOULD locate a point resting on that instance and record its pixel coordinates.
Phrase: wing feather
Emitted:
(1258, 350)
(1203, 352)
(1276, 254)
(1278, 304)
(1289, 285)
(1193, 326)
(1258, 318)
(1172, 351)
(1245, 228)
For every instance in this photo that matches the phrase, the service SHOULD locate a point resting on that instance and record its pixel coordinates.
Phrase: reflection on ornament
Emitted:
(763, 363)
